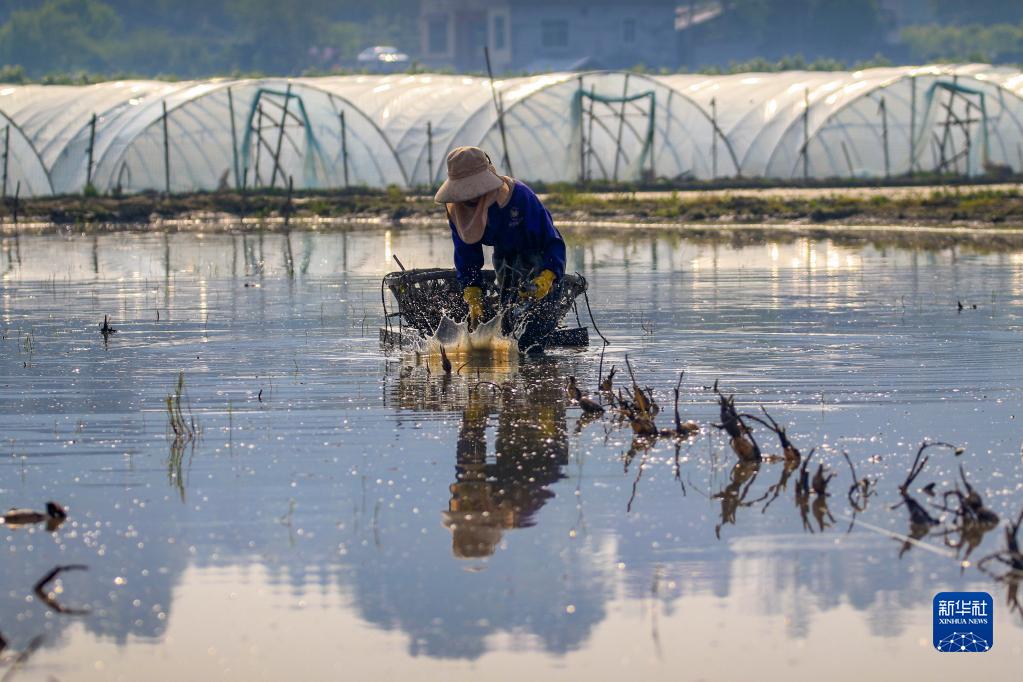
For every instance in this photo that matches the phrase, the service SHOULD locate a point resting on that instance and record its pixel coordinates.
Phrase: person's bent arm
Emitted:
(468, 261)
(552, 245)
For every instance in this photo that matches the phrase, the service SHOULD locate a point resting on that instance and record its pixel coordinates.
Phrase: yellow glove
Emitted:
(473, 297)
(542, 285)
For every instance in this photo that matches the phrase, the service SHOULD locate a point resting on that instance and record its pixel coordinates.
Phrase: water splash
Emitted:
(457, 338)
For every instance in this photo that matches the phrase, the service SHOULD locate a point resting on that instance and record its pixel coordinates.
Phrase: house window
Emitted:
(500, 26)
(437, 35)
(629, 30)
(554, 33)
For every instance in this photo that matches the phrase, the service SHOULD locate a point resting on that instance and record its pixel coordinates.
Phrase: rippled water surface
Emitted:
(346, 513)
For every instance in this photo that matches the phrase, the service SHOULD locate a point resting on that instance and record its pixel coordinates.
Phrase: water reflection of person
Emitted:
(531, 447)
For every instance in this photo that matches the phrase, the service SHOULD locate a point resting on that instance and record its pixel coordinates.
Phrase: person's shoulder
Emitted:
(523, 193)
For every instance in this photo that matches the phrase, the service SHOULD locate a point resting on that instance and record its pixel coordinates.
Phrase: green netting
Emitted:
(584, 119)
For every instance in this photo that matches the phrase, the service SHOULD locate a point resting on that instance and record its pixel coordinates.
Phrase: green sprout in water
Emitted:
(183, 429)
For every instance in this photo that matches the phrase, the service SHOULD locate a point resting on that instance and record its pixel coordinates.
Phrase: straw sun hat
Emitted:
(470, 175)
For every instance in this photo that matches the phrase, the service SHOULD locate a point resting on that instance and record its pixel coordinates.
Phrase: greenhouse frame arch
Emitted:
(608, 126)
(22, 173)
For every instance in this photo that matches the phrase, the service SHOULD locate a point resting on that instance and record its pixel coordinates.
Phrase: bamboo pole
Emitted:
(234, 139)
(288, 208)
(92, 142)
(589, 138)
(950, 120)
(912, 125)
(344, 145)
(884, 138)
(582, 134)
(280, 137)
(500, 111)
(714, 137)
(969, 140)
(947, 130)
(848, 159)
(120, 175)
(653, 135)
(621, 128)
(985, 150)
(806, 134)
(429, 154)
(667, 117)
(256, 178)
(7, 154)
(166, 151)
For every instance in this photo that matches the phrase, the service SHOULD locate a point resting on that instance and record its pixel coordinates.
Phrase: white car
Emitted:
(382, 54)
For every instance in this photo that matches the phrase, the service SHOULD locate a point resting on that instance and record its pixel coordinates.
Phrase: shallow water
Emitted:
(343, 512)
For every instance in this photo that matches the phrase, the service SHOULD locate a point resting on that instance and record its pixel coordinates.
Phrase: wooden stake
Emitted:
(969, 141)
(651, 143)
(234, 139)
(166, 152)
(582, 134)
(589, 139)
(912, 125)
(806, 134)
(884, 137)
(92, 142)
(280, 137)
(256, 178)
(344, 145)
(714, 143)
(287, 203)
(7, 153)
(429, 154)
(848, 159)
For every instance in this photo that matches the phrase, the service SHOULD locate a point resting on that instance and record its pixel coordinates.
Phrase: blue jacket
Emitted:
(522, 226)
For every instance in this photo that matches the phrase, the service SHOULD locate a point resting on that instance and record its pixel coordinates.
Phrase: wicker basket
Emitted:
(425, 295)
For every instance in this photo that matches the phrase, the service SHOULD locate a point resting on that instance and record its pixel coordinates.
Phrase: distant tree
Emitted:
(977, 11)
(271, 35)
(13, 74)
(8, 7)
(194, 38)
(61, 35)
(971, 43)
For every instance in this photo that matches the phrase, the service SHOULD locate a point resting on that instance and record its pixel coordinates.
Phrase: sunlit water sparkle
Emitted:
(344, 512)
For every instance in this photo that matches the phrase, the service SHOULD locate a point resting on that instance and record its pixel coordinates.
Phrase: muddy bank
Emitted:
(974, 206)
(985, 216)
(212, 207)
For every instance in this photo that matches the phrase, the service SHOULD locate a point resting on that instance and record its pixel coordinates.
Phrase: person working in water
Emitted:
(529, 253)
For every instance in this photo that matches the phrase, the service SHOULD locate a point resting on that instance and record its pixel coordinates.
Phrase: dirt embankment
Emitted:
(152, 207)
(978, 212)
(975, 206)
